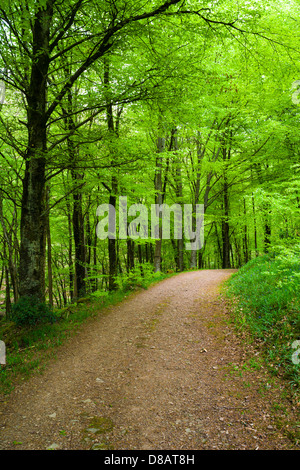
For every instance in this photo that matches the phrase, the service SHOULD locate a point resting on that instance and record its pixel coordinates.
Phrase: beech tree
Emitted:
(75, 71)
(35, 33)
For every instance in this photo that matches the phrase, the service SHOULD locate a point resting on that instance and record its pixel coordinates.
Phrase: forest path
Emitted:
(161, 370)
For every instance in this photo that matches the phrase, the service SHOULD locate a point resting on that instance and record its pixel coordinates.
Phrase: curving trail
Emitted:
(161, 370)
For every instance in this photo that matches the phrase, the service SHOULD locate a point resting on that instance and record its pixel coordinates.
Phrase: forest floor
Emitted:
(163, 369)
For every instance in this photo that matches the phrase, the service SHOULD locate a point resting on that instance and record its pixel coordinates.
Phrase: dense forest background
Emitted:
(162, 102)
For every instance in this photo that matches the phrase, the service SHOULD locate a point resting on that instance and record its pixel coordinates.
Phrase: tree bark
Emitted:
(200, 154)
(130, 255)
(112, 133)
(32, 246)
(225, 219)
(179, 198)
(70, 252)
(158, 202)
(49, 251)
(79, 241)
(254, 227)
(246, 248)
(112, 245)
(11, 264)
(7, 295)
(225, 230)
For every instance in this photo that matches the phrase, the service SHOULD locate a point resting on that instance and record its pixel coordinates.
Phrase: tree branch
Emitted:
(103, 47)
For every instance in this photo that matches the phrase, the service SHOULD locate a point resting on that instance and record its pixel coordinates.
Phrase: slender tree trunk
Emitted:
(70, 254)
(225, 230)
(130, 254)
(88, 248)
(246, 250)
(2, 276)
(49, 251)
(267, 238)
(255, 228)
(88, 240)
(238, 256)
(11, 264)
(158, 201)
(79, 241)
(200, 154)
(113, 132)
(95, 283)
(218, 242)
(225, 219)
(179, 198)
(267, 227)
(112, 246)
(7, 294)
(77, 212)
(175, 249)
(140, 258)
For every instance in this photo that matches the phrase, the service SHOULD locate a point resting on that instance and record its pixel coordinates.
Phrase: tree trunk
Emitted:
(225, 219)
(200, 154)
(267, 226)
(32, 247)
(79, 242)
(77, 213)
(158, 202)
(179, 199)
(267, 237)
(33, 231)
(112, 246)
(7, 295)
(11, 264)
(246, 250)
(255, 228)
(113, 132)
(130, 254)
(140, 258)
(95, 283)
(225, 232)
(70, 253)
(49, 251)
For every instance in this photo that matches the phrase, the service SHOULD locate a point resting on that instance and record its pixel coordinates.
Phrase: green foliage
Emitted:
(139, 277)
(30, 311)
(266, 294)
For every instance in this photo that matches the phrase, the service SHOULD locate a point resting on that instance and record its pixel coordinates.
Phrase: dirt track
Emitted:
(162, 370)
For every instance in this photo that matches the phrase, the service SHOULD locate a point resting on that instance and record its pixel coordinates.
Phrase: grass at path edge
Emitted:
(264, 300)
